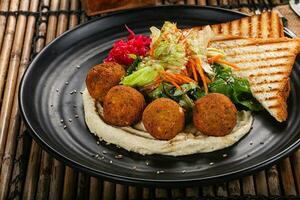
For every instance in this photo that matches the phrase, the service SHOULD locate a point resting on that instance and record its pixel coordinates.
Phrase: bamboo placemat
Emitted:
(28, 172)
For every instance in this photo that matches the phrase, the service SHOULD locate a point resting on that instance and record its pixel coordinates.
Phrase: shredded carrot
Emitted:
(214, 58)
(208, 81)
(234, 66)
(175, 84)
(202, 75)
(153, 85)
(184, 78)
(184, 71)
(192, 65)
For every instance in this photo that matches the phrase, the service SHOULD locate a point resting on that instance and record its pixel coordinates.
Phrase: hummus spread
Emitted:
(136, 139)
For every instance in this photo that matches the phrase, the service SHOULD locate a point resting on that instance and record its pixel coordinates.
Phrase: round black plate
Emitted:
(45, 99)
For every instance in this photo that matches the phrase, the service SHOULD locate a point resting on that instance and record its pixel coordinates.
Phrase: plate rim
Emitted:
(142, 181)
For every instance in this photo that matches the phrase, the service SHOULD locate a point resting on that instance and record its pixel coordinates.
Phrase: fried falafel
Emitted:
(214, 115)
(102, 77)
(123, 106)
(163, 118)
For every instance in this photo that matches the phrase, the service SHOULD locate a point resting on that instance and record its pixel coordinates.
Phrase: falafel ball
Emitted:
(214, 115)
(102, 77)
(123, 106)
(163, 118)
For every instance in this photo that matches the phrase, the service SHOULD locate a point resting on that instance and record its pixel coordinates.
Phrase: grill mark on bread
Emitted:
(267, 82)
(253, 43)
(266, 91)
(274, 106)
(268, 74)
(245, 60)
(259, 53)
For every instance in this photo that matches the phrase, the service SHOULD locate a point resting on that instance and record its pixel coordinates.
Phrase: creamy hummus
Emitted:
(136, 139)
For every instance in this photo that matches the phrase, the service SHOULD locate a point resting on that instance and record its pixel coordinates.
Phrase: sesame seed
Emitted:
(224, 155)
(147, 163)
(71, 92)
(251, 143)
(118, 156)
(97, 155)
(57, 90)
(134, 167)
(76, 116)
(183, 171)
(61, 121)
(78, 66)
(74, 91)
(110, 161)
(211, 163)
(98, 142)
(70, 120)
(65, 126)
(160, 172)
(104, 152)
(67, 83)
(81, 92)
(261, 143)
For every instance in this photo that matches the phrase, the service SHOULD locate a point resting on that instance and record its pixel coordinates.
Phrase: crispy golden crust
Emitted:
(163, 119)
(102, 77)
(123, 106)
(214, 115)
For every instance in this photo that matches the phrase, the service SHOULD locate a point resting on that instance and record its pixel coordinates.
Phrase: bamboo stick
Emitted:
(69, 188)
(201, 2)
(176, 193)
(32, 173)
(222, 190)
(3, 7)
(121, 192)
(234, 188)
(261, 183)
(212, 2)
(146, 193)
(7, 161)
(191, 2)
(132, 192)
(273, 181)
(95, 188)
(296, 166)
(57, 175)
(248, 186)
(287, 177)
(4, 63)
(46, 163)
(192, 192)
(22, 145)
(20, 163)
(161, 193)
(73, 19)
(108, 191)
(82, 186)
(208, 191)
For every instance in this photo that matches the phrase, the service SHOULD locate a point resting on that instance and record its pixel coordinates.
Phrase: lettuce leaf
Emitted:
(237, 89)
(141, 77)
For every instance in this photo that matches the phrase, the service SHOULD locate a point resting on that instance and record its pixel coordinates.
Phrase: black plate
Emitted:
(45, 99)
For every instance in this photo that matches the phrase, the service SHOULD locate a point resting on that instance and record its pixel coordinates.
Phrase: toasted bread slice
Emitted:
(265, 25)
(267, 63)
